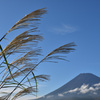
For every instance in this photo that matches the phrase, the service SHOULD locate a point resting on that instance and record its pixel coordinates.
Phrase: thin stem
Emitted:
(3, 37)
(23, 79)
(7, 65)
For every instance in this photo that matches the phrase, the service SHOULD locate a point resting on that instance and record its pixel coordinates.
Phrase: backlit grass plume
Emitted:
(19, 75)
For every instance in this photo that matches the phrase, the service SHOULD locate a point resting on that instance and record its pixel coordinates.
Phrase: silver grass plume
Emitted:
(28, 21)
(23, 92)
(24, 65)
(65, 49)
(57, 53)
(22, 44)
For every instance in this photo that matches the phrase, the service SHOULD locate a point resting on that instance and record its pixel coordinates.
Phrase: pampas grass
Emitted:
(20, 72)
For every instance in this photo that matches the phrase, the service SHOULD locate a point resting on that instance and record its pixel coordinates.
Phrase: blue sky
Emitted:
(66, 21)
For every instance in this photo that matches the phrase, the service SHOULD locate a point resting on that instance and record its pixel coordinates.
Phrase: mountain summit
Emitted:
(85, 86)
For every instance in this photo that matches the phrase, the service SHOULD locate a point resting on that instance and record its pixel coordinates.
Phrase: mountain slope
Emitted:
(78, 81)
(85, 85)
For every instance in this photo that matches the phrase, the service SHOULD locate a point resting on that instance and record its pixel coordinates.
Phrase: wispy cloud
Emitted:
(64, 29)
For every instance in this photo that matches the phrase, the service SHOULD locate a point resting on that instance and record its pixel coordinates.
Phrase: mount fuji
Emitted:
(85, 86)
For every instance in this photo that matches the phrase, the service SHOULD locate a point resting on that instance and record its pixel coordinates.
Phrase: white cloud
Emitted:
(28, 97)
(94, 93)
(64, 29)
(60, 95)
(98, 84)
(85, 89)
(49, 96)
(74, 90)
